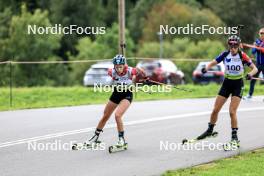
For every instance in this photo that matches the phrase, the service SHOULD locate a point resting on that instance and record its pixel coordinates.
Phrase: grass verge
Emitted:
(246, 164)
(43, 97)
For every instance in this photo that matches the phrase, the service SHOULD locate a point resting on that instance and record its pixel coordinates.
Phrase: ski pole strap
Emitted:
(146, 80)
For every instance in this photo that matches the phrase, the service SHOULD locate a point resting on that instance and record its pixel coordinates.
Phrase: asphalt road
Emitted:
(154, 130)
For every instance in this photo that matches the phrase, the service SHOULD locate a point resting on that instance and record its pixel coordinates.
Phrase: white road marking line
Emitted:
(84, 130)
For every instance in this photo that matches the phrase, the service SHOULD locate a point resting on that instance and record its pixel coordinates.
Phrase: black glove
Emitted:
(248, 77)
(203, 70)
(146, 80)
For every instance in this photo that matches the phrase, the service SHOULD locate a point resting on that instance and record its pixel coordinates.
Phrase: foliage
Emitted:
(21, 46)
(103, 47)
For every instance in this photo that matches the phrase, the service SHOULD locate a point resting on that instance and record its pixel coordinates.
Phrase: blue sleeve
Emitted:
(221, 57)
(254, 50)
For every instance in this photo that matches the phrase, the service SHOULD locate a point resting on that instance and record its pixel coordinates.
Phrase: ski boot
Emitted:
(207, 134)
(92, 143)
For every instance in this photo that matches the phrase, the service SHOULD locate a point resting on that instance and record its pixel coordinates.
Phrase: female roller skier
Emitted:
(120, 101)
(234, 61)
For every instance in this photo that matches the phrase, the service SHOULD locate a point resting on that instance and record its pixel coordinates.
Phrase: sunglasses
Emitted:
(234, 46)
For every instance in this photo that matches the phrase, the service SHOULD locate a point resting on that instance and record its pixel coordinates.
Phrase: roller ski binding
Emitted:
(207, 134)
(92, 143)
(120, 146)
(232, 145)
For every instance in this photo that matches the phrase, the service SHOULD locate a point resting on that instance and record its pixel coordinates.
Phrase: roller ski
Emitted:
(209, 133)
(120, 146)
(248, 97)
(92, 143)
(234, 144)
(86, 145)
(206, 135)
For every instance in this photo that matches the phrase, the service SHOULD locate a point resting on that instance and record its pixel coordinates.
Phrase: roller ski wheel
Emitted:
(185, 141)
(74, 146)
(232, 145)
(85, 145)
(117, 148)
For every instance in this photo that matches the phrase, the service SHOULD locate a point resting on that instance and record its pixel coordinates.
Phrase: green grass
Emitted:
(43, 97)
(247, 164)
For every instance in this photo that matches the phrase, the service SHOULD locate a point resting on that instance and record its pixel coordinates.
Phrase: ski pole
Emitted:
(156, 82)
(260, 79)
(252, 46)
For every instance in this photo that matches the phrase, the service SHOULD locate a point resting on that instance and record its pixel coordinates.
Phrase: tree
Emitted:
(103, 47)
(248, 13)
(182, 48)
(206, 49)
(5, 18)
(138, 15)
(21, 46)
(79, 12)
(137, 18)
(178, 15)
(111, 10)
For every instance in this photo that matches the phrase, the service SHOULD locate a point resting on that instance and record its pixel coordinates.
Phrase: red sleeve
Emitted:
(134, 71)
(110, 72)
(246, 59)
